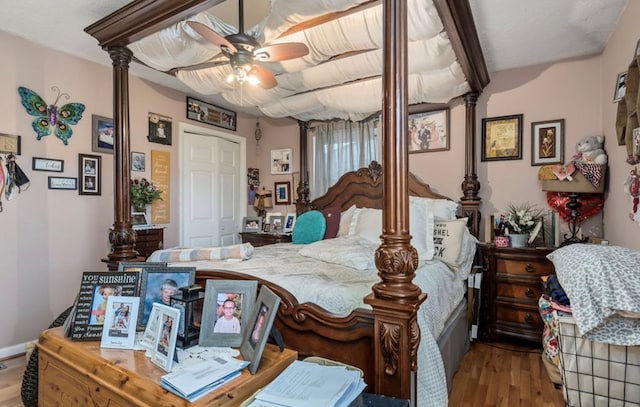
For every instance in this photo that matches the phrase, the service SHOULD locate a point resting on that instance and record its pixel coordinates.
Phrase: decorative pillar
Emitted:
(303, 203)
(121, 237)
(470, 201)
(395, 299)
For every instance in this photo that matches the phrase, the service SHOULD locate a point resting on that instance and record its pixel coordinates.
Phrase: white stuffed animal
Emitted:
(590, 150)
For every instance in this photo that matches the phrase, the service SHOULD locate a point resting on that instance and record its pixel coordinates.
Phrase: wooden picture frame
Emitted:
(157, 283)
(547, 142)
(47, 164)
(502, 138)
(429, 131)
(68, 183)
(282, 192)
(89, 174)
(10, 144)
(281, 161)
(119, 329)
(251, 224)
(102, 134)
(218, 295)
(166, 335)
(621, 86)
(208, 113)
(289, 222)
(138, 163)
(262, 317)
(159, 129)
(277, 224)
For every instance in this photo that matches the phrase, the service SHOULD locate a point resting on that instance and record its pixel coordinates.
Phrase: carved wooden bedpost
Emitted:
(395, 299)
(471, 200)
(303, 203)
(121, 237)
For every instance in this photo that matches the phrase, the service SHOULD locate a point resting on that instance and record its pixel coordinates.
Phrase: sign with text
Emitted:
(161, 178)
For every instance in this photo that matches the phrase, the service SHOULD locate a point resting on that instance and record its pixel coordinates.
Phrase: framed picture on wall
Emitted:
(621, 87)
(89, 174)
(102, 135)
(429, 131)
(159, 129)
(547, 142)
(282, 191)
(502, 138)
(137, 161)
(281, 161)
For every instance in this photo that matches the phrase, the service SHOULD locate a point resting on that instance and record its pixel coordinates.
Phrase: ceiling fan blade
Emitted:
(281, 52)
(266, 78)
(212, 36)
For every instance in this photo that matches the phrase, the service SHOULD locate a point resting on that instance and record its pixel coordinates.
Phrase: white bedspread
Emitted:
(341, 289)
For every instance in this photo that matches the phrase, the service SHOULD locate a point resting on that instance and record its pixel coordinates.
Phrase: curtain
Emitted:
(339, 147)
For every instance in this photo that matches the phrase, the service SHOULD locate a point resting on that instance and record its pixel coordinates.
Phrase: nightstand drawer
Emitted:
(523, 292)
(529, 268)
(521, 316)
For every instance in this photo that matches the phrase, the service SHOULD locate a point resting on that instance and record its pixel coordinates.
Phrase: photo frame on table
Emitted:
(502, 138)
(137, 161)
(69, 183)
(261, 320)
(429, 131)
(277, 224)
(227, 307)
(140, 266)
(162, 352)
(289, 222)
(139, 219)
(621, 86)
(547, 142)
(158, 284)
(281, 161)
(282, 192)
(251, 224)
(102, 134)
(47, 164)
(119, 329)
(89, 174)
(10, 144)
(159, 129)
(208, 113)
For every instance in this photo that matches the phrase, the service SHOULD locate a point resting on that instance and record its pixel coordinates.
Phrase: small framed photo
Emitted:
(102, 135)
(139, 219)
(139, 266)
(210, 114)
(89, 174)
(164, 347)
(547, 142)
(429, 131)
(281, 161)
(262, 317)
(158, 285)
(159, 129)
(621, 86)
(251, 224)
(277, 224)
(289, 222)
(63, 183)
(282, 192)
(137, 161)
(10, 144)
(502, 138)
(227, 307)
(47, 164)
(119, 330)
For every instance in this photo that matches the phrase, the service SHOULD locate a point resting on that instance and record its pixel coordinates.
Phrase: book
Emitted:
(95, 289)
(119, 329)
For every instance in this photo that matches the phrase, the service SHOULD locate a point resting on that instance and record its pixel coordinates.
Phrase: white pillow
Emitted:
(421, 226)
(444, 209)
(345, 221)
(454, 245)
(367, 224)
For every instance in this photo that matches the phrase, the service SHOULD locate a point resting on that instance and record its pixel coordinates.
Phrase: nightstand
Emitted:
(263, 239)
(511, 287)
(148, 240)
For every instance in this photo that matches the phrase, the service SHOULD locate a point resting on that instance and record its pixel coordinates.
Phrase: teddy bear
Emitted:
(590, 150)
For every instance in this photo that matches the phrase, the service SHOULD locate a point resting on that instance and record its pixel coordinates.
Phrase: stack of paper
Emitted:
(311, 385)
(195, 381)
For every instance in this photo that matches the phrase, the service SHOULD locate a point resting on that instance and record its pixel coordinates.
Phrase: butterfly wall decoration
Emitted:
(51, 116)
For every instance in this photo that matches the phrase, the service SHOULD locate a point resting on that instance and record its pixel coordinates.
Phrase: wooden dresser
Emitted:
(263, 239)
(83, 374)
(149, 239)
(511, 287)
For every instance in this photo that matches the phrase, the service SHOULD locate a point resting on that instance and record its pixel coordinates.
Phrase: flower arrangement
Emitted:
(143, 193)
(521, 219)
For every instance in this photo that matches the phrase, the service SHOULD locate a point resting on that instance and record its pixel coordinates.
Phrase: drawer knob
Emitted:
(529, 268)
(529, 293)
(528, 318)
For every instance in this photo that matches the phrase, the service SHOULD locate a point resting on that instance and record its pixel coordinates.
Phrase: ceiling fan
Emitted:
(243, 51)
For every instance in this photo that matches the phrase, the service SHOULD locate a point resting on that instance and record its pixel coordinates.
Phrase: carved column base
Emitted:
(122, 242)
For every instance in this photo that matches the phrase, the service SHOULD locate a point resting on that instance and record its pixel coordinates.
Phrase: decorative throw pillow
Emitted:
(309, 228)
(448, 240)
(368, 224)
(421, 226)
(332, 218)
(345, 221)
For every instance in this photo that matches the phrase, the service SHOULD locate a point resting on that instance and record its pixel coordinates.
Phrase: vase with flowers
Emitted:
(519, 221)
(143, 193)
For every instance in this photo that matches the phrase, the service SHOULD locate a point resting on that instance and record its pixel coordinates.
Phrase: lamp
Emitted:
(189, 301)
(263, 200)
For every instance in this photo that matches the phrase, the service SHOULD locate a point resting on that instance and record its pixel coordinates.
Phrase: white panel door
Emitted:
(210, 172)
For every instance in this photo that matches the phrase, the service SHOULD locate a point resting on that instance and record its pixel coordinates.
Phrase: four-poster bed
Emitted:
(389, 333)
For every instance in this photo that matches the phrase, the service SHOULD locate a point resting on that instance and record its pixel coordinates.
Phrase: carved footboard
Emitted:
(312, 331)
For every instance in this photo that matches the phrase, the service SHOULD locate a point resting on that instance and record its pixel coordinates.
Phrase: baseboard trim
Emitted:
(15, 350)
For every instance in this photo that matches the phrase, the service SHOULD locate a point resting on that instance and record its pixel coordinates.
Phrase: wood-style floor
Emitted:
(492, 375)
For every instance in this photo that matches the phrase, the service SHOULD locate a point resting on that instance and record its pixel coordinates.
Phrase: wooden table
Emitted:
(82, 374)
